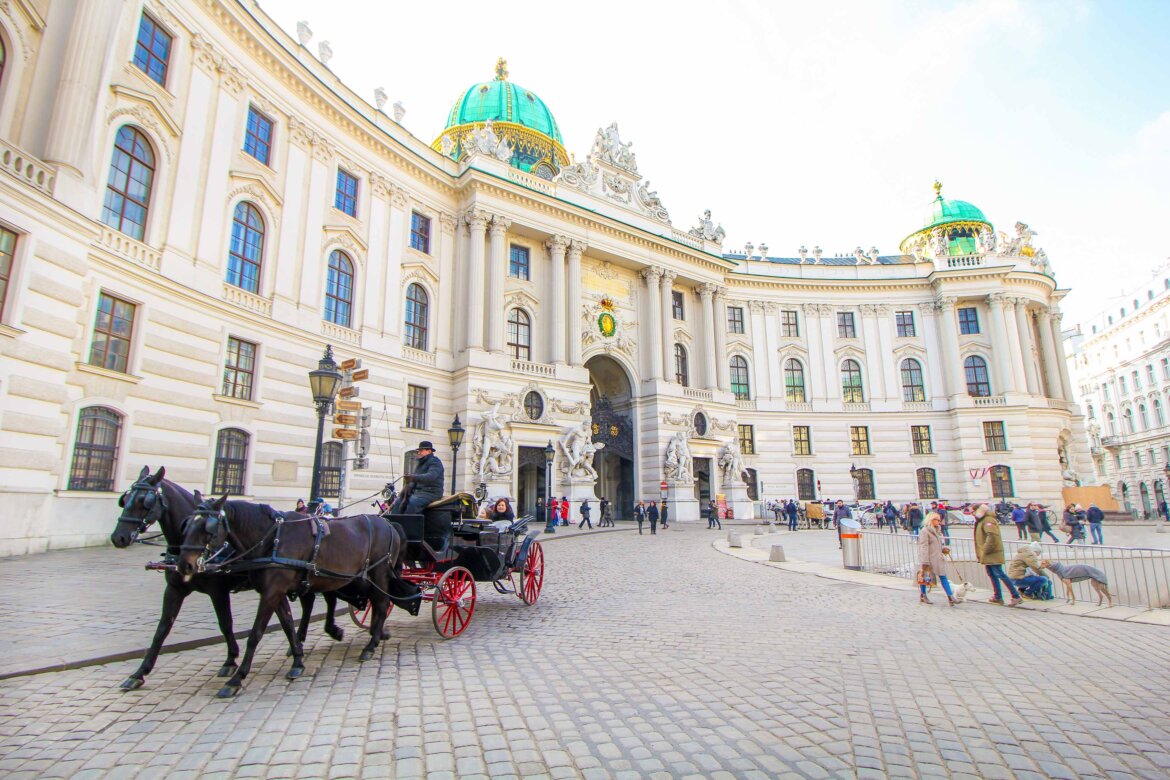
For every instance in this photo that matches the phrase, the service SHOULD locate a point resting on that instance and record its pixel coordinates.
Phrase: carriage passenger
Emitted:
(501, 510)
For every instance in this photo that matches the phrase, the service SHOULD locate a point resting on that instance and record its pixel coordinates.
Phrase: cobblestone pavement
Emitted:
(646, 656)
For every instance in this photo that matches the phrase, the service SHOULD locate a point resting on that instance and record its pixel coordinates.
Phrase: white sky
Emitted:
(824, 123)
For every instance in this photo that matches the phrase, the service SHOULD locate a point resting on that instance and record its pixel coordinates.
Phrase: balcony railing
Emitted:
(698, 394)
(28, 169)
(536, 369)
(135, 251)
(419, 356)
(339, 333)
(247, 300)
(856, 407)
(990, 400)
(916, 406)
(1110, 441)
(746, 403)
(965, 261)
(798, 406)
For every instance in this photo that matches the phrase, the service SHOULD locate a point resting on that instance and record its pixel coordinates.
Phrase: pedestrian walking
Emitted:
(640, 515)
(793, 514)
(1073, 524)
(713, 514)
(604, 521)
(931, 550)
(914, 518)
(663, 513)
(891, 516)
(652, 516)
(1034, 585)
(1045, 525)
(1096, 517)
(585, 510)
(1020, 518)
(564, 510)
(989, 552)
(840, 513)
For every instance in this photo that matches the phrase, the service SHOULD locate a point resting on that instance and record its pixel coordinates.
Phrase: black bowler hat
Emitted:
(425, 445)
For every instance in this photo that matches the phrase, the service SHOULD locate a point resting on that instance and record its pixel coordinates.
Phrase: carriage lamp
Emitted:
(550, 525)
(455, 437)
(324, 381)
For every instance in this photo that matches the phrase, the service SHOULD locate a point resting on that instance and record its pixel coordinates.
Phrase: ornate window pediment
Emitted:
(343, 237)
(904, 351)
(849, 351)
(256, 186)
(148, 108)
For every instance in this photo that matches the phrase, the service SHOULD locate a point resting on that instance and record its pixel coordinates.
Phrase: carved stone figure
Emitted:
(608, 148)
(380, 98)
(678, 458)
(400, 113)
(324, 52)
(584, 468)
(731, 463)
(803, 254)
(1020, 244)
(986, 241)
(939, 244)
(707, 230)
(581, 176)
(648, 199)
(447, 145)
(493, 450)
(304, 33)
(573, 445)
(485, 141)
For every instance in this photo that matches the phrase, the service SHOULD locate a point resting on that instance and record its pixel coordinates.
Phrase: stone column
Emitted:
(556, 248)
(831, 376)
(1005, 379)
(653, 322)
(1061, 359)
(668, 325)
(814, 383)
(477, 225)
(721, 358)
(445, 324)
(873, 352)
(936, 383)
(495, 284)
(1016, 363)
(886, 353)
(710, 372)
(574, 305)
(953, 369)
(1048, 354)
(1027, 346)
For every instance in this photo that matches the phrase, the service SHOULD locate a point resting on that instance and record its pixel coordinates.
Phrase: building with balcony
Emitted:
(192, 206)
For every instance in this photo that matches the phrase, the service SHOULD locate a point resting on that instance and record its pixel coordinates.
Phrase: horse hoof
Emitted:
(366, 655)
(132, 684)
(227, 691)
(336, 633)
(385, 635)
(295, 672)
(227, 670)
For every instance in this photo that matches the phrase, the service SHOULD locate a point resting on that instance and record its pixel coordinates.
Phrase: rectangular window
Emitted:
(920, 435)
(258, 136)
(7, 253)
(1137, 458)
(1166, 369)
(846, 329)
(152, 50)
(420, 232)
(905, 322)
(801, 440)
(1150, 373)
(859, 440)
(676, 305)
(346, 198)
(747, 439)
(1137, 381)
(789, 325)
(1122, 386)
(968, 321)
(994, 438)
(518, 262)
(735, 319)
(111, 333)
(239, 369)
(416, 407)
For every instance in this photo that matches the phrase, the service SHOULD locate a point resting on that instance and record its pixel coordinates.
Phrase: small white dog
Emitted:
(963, 590)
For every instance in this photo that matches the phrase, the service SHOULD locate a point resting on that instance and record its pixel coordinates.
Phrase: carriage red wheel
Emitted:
(532, 578)
(453, 603)
(361, 617)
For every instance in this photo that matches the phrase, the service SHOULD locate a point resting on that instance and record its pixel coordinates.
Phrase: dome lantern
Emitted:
(957, 222)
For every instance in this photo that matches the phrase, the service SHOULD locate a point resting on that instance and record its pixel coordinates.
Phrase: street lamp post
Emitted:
(855, 475)
(324, 382)
(550, 525)
(455, 437)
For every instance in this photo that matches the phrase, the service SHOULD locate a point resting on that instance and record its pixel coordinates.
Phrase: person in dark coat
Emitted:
(1020, 518)
(585, 510)
(1096, 516)
(840, 513)
(640, 515)
(713, 520)
(791, 510)
(914, 518)
(501, 510)
(652, 516)
(891, 515)
(426, 482)
(604, 521)
(662, 512)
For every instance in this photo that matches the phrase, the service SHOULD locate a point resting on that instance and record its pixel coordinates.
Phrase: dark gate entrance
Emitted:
(611, 413)
(702, 468)
(530, 480)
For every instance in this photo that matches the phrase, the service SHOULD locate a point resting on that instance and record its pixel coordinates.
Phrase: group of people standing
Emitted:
(653, 513)
(1032, 523)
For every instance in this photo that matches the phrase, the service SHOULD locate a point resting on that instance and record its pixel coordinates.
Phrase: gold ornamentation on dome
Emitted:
(501, 69)
(607, 304)
(937, 188)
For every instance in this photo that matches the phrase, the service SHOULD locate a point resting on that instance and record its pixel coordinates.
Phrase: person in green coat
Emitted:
(989, 552)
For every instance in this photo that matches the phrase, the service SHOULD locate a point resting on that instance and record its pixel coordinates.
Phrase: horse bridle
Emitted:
(211, 520)
(155, 503)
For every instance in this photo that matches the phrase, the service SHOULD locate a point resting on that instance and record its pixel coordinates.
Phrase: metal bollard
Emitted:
(777, 554)
(733, 539)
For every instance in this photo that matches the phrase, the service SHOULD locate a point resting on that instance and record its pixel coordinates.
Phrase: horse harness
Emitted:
(156, 505)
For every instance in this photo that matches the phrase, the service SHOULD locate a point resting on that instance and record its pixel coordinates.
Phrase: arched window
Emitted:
(978, 384)
(520, 334)
(1128, 415)
(681, 372)
(865, 489)
(794, 381)
(95, 453)
(1001, 482)
(339, 289)
(1111, 423)
(806, 485)
(740, 385)
(247, 251)
(1159, 419)
(927, 483)
(330, 470)
(3, 60)
(417, 309)
(129, 183)
(231, 462)
(852, 391)
(1143, 417)
(912, 387)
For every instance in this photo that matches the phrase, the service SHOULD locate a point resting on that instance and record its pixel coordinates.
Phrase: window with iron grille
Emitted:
(339, 289)
(801, 440)
(681, 370)
(806, 485)
(7, 254)
(1001, 482)
(416, 407)
(239, 369)
(112, 331)
(417, 309)
(420, 232)
(994, 437)
(345, 199)
(520, 334)
(747, 439)
(330, 486)
(518, 265)
(859, 439)
(968, 321)
(735, 319)
(231, 462)
(677, 309)
(913, 390)
(258, 136)
(533, 405)
(905, 322)
(129, 184)
(920, 437)
(927, 483)
(789, 325)
(95, 453)
(865, 490)
(152, 50)
(846, 328)
(852, 389)
(794, 381)
(740, 385)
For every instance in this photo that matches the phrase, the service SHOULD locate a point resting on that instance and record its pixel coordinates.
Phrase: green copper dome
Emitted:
(958, 220)
(944, 211)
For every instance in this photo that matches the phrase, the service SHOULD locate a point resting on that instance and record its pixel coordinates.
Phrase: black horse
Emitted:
(358, 556)
(154, 499)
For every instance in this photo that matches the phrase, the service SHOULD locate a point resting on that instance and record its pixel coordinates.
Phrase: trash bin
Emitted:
(850, 544)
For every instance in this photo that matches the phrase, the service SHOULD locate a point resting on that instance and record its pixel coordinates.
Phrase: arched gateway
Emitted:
(612, 415)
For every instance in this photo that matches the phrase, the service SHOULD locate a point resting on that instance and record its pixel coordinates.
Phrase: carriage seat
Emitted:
(458, 504)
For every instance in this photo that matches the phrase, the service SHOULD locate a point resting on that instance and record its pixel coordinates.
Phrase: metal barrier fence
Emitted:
(1138, 576)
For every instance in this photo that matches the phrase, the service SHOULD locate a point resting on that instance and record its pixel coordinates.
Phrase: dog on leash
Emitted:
(1068, 573)
(963, 590)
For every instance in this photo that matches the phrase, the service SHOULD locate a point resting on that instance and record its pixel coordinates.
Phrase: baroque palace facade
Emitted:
(192, 206)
